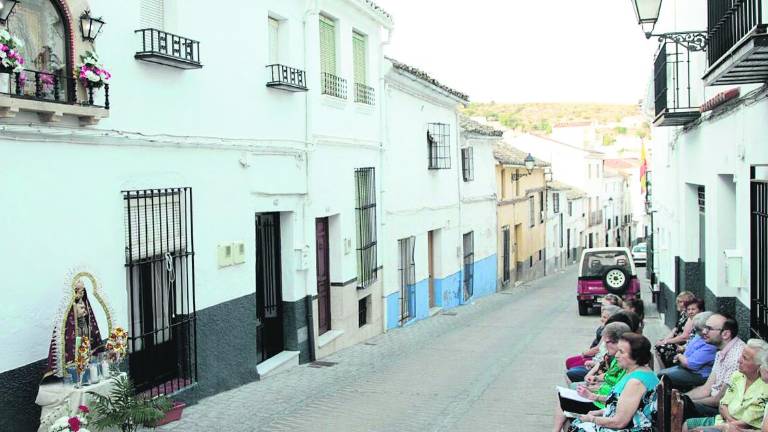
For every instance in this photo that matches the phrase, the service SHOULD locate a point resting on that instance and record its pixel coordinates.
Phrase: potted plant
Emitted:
(10, 58)
(123, 410)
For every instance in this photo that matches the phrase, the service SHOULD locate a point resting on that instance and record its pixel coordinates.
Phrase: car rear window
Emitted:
(638, 249)
(596, 263)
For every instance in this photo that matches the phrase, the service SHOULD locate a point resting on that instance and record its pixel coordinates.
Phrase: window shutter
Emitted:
(358, 57)
(158, 225)
(327, 45)
(274, 27)
(153, 14)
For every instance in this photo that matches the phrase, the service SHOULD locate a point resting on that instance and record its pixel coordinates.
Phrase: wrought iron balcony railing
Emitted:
(333, 85)
(168, 49)
(675, 102)
(286, 78)
(364, 94)
(51, 87)
(737, 42)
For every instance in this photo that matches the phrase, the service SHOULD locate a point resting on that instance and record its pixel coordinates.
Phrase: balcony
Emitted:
(364, 94)
(51, 95)
(672, 80)
(737, 43)
(286, 78)
(168, 49)
(333, 85)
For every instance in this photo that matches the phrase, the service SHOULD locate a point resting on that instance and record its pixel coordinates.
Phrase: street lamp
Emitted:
(647, 13)
(6, 7)
(90, 27)
(528, 162)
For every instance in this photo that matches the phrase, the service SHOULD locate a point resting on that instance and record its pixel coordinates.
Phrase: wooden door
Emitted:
(323, 276)
(431, 268)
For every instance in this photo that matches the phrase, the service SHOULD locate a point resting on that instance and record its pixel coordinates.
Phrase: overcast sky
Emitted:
(526, 50)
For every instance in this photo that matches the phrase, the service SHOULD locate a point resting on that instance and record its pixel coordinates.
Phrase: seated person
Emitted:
(743, 404)
(594, 389)
(667, 348)
(693, 366)
(612, 299)
(637, 306)
(576, 369)
(630, 404)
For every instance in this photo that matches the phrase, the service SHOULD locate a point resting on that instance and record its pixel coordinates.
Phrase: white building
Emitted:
(566, 223)
(709, 194)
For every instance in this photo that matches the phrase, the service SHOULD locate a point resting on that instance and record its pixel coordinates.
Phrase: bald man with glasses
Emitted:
(721, 331)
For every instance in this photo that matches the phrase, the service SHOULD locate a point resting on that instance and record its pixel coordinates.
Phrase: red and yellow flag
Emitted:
(643, 168)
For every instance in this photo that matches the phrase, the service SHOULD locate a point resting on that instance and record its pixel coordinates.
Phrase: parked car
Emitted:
(639, 254)
(605, 271)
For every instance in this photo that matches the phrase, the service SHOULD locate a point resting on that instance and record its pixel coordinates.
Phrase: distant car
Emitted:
(605, 271)
(639, 254)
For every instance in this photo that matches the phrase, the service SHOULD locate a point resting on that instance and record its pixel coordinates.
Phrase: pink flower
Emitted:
(84, 409)
(74, 424)
(3, 47)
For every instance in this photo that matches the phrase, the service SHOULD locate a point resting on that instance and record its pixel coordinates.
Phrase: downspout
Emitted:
(461, 205)
(384, 139)
(312, 9)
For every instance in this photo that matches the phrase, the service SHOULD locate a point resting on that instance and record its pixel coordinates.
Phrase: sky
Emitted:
(520, 51)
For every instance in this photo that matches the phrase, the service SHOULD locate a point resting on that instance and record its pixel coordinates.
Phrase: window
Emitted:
(467, 164)
(152, 14)
(273, 37)
(359, 64)
(532, 209)
(407, 271)
(469, 264)
(506, 254)
(570, 208)
(556, 202)
(362, 311)
(327, 45)
(541, 207)
(438, 144)
(365, 184)
(517, 183)
(159, 262)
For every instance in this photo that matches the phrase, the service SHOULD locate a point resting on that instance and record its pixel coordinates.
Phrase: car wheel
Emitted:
(616, 280)
(583, 308)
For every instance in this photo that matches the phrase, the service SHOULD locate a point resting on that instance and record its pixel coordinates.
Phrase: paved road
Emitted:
(487, 366)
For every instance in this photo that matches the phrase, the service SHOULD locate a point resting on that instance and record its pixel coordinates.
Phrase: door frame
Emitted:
(266, 323)
(323, 284)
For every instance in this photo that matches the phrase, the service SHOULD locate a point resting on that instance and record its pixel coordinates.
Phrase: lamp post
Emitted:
(647, 14)
(90, 27)
(6, 7)
(529, 163)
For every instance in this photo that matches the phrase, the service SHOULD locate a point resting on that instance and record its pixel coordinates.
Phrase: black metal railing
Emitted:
(364, 94)
(672, 79)
(407, 270)
(158, 42)
(728, 21)
(333, 85)
(362, 311)
(438, 145)
(51, 87)
(758, 257)
(281, 76)
(365, 212)
(469, 264)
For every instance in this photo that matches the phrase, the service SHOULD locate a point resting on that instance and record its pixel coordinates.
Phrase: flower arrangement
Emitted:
(82, 357)
(74, 423)
(116, 345)
(92, 72)
(10, 58)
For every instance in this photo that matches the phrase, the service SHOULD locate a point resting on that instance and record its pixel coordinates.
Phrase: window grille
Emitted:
(541, 206)
(439, 145)
(556, 202)
(159, 262)
(532, 210)
(365, 184)
(362, 311)
(506, 254)
(467, 164)
(701, 197)
(407, 271)
(469, 264)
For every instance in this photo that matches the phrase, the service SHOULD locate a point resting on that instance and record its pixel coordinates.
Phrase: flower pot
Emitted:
(173, 415)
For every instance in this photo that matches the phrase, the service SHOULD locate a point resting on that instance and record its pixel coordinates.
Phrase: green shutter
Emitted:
(358, 57)
(327, 45)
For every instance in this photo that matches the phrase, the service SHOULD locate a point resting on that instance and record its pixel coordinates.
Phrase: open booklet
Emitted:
(571, 401)
(567, 393)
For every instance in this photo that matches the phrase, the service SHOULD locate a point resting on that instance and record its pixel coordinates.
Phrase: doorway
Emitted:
(269, 295)
(431, 267)
(323, 276)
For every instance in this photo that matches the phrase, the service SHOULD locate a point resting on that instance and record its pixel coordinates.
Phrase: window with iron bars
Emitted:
(467, 164)
(439, 145)
(365, 185)
(362, 311)
(556, 202)
(469, 264)
(506, 253)
(159, 263)
(532, 210)
(407, 270)
(541, 207)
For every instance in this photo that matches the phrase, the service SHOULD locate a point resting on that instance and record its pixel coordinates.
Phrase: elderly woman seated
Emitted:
(694, 365)
(743, 405)
(575, 366)
(630, 404)
(601, 379)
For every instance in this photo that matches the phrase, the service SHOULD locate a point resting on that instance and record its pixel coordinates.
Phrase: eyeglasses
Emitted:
(612, 342)
(707, 329)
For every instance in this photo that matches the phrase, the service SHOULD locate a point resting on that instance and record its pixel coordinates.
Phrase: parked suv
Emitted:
(605, 271)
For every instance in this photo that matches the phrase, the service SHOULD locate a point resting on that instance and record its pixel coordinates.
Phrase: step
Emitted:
(278, 363)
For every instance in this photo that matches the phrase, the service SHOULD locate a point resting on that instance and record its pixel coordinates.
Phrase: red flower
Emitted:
(74, 424)
(84, 409)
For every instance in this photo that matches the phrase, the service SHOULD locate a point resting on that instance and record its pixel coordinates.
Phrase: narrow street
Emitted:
(487, 366)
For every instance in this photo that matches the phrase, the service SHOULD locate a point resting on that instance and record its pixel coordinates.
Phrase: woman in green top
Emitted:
(613, 373)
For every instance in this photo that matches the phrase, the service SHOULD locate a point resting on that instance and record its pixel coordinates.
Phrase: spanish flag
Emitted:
(643, 168)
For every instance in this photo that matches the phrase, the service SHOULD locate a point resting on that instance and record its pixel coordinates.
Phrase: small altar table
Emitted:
(59, 399)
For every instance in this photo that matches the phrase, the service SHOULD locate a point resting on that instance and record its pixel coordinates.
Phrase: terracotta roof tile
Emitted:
(418, 73)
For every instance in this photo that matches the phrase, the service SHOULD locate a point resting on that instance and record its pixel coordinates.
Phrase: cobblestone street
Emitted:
(491, 365)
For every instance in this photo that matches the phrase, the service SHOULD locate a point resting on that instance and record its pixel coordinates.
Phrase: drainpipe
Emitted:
(383, 140)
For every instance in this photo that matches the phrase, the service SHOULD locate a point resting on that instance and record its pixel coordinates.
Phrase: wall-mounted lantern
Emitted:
(6, 7)
(90, 27)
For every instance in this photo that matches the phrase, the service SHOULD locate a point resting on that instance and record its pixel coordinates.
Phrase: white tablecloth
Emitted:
(59, 400)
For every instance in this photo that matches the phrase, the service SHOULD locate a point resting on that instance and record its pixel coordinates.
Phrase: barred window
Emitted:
(469, 264)
(439, 145)
(556, 202)
(532, 208)
(541, 207)
(365, 184)
(159, 262)
(467, 164)
(407, 270)
(570, 208)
